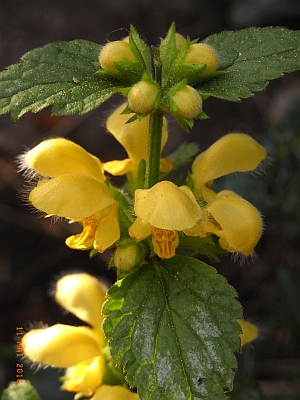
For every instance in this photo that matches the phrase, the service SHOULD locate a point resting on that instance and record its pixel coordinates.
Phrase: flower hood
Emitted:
(133, 137)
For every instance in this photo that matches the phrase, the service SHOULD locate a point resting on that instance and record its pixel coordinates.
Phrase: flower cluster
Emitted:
(237, 222)
(71, 184)
(80, 349)
(146, 218)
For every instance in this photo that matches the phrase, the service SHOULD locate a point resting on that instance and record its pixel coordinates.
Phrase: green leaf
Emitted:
(17, 391)
(250, 58)
(60, 74)
(208, 246)
(172, 326)
(183, 154)
(168, 54)
(138, 181)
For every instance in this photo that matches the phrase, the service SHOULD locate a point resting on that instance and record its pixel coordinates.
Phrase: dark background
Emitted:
(32, 251)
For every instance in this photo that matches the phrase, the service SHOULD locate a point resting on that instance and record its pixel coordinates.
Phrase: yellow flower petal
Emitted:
(100, 230)
(85, 377)
(54, 157)
(108, 231)
(165, 242)
(240, 222)
(167, 206)
(85, 239)
(140, 229)
(74, 196)
(132, 136)
(119, 167)
(196, 230)
(106, 392)
(250, 332)
(235, 152)
(82, 295)
(60, 345)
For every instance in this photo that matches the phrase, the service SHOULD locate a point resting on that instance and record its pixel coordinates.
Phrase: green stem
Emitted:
(154, 146)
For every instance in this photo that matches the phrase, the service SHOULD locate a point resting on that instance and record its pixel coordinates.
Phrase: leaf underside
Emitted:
(172, 326)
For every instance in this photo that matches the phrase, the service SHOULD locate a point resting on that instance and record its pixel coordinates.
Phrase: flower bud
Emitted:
(202, 53)
(142, 97)
(188, 102)
(114, 52)
(127, 257)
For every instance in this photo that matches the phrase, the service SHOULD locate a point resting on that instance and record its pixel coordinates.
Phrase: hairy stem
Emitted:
(154, 145)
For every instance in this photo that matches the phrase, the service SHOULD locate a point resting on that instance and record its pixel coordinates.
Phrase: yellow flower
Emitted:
(134, 138)
(235, 152)
(106, 392)
(79, 349)
(249, 332)
(236, 221)
(142, 97)
(162, 212)
(75, 190)
(54, 157)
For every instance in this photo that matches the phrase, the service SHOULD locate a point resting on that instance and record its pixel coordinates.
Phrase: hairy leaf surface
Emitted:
(249, 58)
(172, 326)
(60, 74)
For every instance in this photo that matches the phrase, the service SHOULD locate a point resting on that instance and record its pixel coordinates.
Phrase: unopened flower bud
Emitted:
(142, 97)
(202, 53)
(114, 52)
(188, 102)
(127, 257)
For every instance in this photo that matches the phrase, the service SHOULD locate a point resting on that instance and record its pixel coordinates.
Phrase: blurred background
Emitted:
(32, 250)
